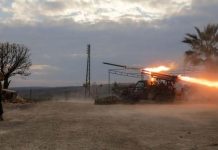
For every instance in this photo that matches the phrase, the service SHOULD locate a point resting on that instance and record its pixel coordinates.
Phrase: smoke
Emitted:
(195, 93)
(201, 82)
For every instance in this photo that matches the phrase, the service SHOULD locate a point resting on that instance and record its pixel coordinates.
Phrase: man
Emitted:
(1, 108)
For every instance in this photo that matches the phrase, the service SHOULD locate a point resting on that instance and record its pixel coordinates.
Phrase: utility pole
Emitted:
(88, 71)
(30, 96)
(109, 82)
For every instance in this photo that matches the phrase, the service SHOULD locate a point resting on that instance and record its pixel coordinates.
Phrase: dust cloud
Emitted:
(79, 124)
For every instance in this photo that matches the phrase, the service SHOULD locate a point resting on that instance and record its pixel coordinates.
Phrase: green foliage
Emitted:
(204, 46)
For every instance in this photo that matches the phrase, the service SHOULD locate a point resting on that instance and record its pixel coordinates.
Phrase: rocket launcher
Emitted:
(156, 75)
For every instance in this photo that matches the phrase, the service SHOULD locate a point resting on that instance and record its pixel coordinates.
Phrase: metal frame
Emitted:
(121, 72)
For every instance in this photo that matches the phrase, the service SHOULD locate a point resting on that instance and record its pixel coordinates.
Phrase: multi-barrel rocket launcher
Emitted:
(155, 73)
(159, 86)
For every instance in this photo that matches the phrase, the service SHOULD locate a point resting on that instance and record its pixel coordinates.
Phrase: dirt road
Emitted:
(81, 125)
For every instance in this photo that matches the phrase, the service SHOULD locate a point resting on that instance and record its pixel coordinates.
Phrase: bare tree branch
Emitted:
(14, 60)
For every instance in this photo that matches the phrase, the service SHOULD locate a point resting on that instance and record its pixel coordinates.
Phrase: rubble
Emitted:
(20, 100)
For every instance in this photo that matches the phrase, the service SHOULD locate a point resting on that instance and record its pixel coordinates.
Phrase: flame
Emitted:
(157, 69)
(152, 79)
(199, 81)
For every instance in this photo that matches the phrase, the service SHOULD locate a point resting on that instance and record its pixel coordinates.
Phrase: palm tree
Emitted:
(204, 46)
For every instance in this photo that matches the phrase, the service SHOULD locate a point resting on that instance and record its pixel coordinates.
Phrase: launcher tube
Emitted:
(122, 66)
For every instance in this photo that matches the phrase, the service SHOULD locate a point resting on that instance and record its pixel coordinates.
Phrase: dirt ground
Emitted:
(75, 125)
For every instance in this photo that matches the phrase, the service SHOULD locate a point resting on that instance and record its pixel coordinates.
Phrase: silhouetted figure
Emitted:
(1, 108)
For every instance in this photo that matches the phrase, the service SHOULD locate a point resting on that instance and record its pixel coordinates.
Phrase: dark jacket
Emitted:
(1, 108)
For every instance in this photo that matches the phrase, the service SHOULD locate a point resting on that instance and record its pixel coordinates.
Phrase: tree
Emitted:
(14, 60)
(204, 47)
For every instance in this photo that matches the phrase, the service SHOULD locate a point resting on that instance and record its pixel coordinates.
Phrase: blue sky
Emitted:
(132, 32)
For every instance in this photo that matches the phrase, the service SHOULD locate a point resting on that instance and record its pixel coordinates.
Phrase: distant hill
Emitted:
(57, 93)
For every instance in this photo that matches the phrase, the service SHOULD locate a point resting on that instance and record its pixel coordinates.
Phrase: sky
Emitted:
(130, 32)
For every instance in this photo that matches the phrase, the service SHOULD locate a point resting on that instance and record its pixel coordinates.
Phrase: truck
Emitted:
(159, 87)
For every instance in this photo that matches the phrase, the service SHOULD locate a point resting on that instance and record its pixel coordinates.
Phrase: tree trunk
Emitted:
(6, 83)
